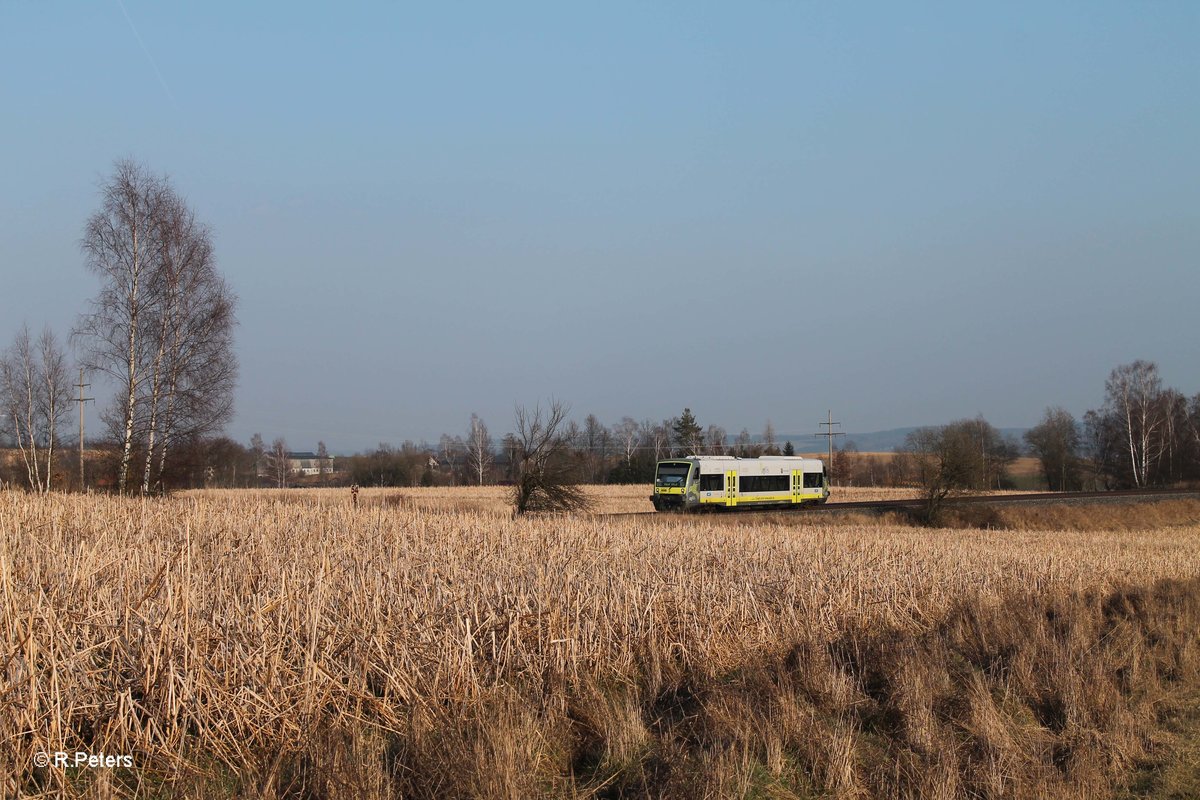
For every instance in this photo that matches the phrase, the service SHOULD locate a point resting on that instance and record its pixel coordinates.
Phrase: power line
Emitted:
(708, 449)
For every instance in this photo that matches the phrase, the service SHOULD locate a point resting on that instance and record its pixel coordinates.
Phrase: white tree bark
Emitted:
(479, 448)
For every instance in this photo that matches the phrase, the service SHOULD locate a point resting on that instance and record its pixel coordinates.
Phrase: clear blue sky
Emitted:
(906, 212)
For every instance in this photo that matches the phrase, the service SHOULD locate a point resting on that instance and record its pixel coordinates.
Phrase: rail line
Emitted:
(882, 505)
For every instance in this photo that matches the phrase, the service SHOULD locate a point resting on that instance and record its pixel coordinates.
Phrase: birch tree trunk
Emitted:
(155, 390)
(131, 380)
(29, 380)
(55, 395)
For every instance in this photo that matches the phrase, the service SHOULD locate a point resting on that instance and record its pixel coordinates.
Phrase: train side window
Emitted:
(712, 483)
(763, 483)
(812, 480)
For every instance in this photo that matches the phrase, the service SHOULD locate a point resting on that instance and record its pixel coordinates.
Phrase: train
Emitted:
(695, 483)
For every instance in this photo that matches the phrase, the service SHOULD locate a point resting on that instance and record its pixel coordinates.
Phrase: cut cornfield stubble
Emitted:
(425, 643)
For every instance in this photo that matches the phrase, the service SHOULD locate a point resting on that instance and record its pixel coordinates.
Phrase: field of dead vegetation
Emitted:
(427, 644)
(495, 500)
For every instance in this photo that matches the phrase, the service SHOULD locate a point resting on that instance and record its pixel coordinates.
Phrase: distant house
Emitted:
(309, 464)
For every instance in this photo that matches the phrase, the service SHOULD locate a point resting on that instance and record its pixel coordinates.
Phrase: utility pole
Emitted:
(81, 386)
(829, 434)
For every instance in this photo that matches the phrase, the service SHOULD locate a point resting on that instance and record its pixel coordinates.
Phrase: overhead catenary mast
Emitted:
(829, 433)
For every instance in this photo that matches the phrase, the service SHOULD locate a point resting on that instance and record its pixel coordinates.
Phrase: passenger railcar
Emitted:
(693, 483)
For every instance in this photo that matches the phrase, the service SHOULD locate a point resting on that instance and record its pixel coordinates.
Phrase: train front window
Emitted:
(672, 474)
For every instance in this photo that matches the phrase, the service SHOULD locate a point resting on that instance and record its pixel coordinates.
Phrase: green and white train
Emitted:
(694, 483)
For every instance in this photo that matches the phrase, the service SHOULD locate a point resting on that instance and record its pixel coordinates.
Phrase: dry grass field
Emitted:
(426, 644)
(494, 500)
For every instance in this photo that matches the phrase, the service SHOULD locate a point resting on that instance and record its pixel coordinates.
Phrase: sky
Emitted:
(905, 213)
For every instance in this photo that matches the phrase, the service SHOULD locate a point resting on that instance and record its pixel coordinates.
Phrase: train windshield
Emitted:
(673, 473)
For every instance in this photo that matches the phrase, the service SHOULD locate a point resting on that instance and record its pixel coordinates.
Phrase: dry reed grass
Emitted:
(495, 501)
(1123, 516)
(287, 644)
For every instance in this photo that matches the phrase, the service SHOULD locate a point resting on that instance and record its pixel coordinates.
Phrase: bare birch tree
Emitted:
(768, 439)
(1133, 399)
(628, 435)
(658, 437)
(652, 437)
(119, 246)
(162, 323)
(279, 463)
(479, 448)
(55, 400)
(448, 449)
(715, 440)
(36, 394)
(596, 439)
(21, 383)
(1192, 422)
(194, 368)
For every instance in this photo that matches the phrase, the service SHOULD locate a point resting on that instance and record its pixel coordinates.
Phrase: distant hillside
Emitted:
(876, 441)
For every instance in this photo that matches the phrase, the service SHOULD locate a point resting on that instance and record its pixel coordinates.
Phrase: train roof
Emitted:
(743, 458)
(762, 461)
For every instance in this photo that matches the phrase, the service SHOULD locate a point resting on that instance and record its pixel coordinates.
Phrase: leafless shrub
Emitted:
(546, 475)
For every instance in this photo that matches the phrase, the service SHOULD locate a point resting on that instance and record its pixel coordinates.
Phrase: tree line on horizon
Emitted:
(1142, 435)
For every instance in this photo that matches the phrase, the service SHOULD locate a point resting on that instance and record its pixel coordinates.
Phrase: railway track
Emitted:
(974, 499)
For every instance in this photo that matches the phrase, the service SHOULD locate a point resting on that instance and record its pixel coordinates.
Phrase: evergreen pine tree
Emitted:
(687, 431)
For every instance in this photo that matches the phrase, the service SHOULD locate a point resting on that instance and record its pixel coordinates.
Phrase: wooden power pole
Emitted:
(81, 386)
(829, 433)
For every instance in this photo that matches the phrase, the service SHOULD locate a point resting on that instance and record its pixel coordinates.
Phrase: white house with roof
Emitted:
(306, 463)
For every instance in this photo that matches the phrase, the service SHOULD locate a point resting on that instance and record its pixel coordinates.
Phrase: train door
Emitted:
(731, 488)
